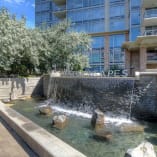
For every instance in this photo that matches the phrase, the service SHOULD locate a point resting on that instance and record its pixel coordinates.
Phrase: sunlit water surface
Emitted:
(80, 135)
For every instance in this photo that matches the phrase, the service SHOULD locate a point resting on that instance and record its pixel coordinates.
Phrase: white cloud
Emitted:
(15, 1)
(33, 5)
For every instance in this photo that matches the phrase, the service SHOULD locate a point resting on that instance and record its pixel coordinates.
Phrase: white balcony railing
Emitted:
(150, 32)
(150, 13)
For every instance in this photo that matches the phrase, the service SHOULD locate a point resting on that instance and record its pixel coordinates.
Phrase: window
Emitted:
(135, 3)
(73, 4)
(96, 57)
(116, 53)
(117, 11)
(135, 18)
(88, 20)
(135, 31)
(117, 24)
(43, 7)
(86, 14)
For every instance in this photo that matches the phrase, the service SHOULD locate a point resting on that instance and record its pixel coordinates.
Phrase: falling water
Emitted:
(131, 99)
(108, 118)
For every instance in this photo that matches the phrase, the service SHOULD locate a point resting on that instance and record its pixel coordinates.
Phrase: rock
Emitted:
(59, 121)
(131, 128)
(6, 100)
(145, 149)
(46, 110)
(97, 120)
(106, 135)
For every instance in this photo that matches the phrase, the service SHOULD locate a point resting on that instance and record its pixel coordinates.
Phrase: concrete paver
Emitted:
(10, 146)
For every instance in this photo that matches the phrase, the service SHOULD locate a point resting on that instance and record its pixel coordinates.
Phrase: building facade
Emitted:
(110, 23)
(141, 54)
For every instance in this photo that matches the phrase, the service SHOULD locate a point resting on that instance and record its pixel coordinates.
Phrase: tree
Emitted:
(63, 44)
(27, 51)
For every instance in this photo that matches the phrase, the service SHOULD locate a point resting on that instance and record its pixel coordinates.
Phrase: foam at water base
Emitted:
(108, 119)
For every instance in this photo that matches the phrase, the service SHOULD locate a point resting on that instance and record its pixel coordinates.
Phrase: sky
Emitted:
(21, 8)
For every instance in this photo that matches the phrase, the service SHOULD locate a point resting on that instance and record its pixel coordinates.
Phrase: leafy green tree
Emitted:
(63, 44)
(28, 51)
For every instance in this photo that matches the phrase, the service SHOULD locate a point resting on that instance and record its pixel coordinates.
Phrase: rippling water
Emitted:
(79, 134)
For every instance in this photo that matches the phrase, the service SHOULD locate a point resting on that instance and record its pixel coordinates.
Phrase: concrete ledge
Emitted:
(41, 141)
(146, 73)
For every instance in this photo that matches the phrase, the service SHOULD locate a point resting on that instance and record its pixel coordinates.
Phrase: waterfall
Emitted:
(131, 99)
(108, 118)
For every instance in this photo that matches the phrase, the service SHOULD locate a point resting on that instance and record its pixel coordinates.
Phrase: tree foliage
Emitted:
(28, 51)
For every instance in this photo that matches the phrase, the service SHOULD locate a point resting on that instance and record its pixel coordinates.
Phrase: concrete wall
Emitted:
(119, 96)
(21, 87)
(85, 94)
(145, 97)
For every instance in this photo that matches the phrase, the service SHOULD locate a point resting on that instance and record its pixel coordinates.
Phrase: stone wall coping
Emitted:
(41, 141)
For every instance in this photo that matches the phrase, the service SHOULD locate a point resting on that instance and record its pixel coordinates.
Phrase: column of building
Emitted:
(107, 39)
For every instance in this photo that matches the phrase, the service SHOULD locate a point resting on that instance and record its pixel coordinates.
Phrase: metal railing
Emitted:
(150, 32)
(152, 58)
(150, 13)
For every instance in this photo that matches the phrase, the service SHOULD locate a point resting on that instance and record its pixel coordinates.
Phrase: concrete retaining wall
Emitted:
(88, 93)
(119, 96)
(21, 87)
(144, 104)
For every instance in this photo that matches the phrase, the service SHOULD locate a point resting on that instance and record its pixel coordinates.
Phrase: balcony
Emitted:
(150, 17)
(59, 2)
(150, 13)
(150, 32)
(149, 3)
(152, 56)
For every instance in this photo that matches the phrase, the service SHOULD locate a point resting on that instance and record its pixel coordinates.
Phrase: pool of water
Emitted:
(80, 135)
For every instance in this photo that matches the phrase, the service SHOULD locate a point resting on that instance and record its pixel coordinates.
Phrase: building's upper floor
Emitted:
(98, 16)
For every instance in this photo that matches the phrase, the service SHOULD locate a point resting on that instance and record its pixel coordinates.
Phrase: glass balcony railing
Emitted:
(151, 13)
(150, 32)
(152, 57)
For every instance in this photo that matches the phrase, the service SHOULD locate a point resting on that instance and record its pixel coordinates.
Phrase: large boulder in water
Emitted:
(145, 149)
(126, 128)
(97, 120)
(103, 134)
(46, 110)
(59, 121)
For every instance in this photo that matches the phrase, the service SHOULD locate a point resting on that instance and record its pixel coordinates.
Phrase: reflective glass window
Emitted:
(117, 24)
(86, 14)
(117, 10)
(116, 53)
(42, 7)
(135, 3)
(73, 4)
(135, 18)
(96, 56)
(135, 31)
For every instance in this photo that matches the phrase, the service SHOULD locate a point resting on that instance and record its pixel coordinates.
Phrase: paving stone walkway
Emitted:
(11, 145)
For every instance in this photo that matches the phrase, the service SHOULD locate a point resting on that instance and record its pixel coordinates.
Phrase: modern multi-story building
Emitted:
(141, 55)
(109, 22)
